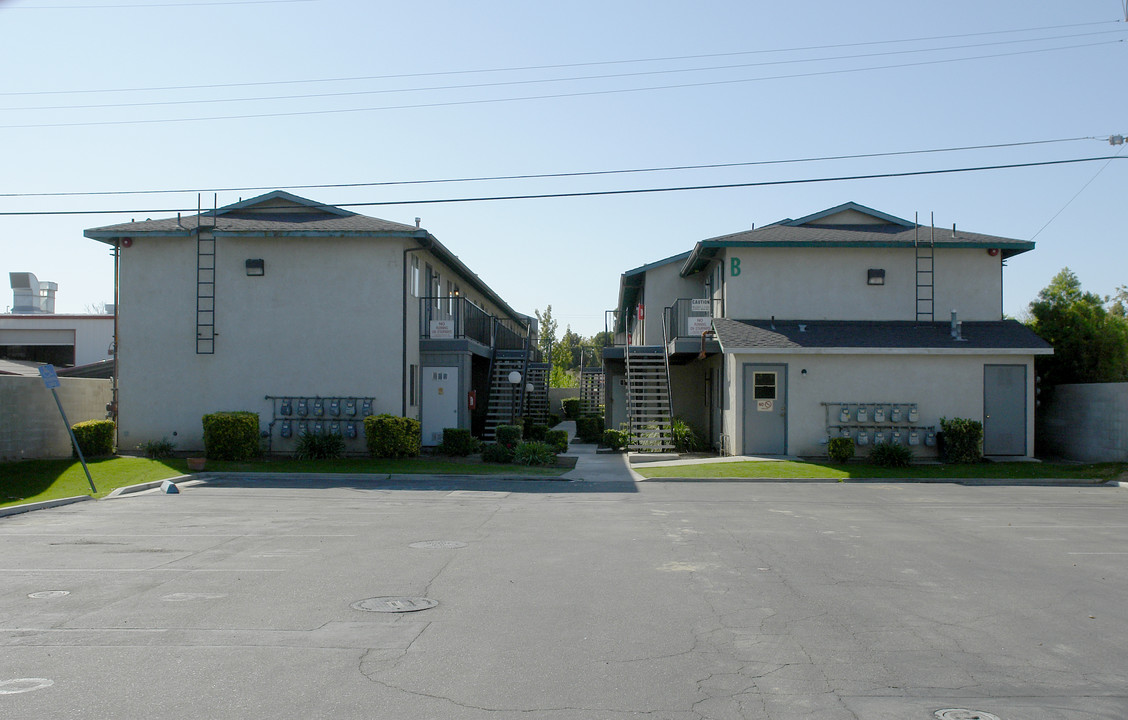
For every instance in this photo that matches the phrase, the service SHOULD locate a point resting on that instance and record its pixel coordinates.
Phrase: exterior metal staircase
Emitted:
(536, 402)
(648, 400)
(591, 390)
(507, 399)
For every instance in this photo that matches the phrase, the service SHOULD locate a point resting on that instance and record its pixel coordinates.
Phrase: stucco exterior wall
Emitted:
(30, 424)
(1087, 422)
(940, 385)
(830, 284)
(664, 286)
(325, 319)
(91, 335)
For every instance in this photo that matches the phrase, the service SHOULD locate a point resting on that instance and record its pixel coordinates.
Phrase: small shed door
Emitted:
(765, 410)
(439, 388)
(1004, 409)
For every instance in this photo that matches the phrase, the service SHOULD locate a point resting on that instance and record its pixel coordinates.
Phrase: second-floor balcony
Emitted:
(456, 318)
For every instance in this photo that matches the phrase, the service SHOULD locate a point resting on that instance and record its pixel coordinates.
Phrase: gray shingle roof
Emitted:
(736, 335)
(275, 213)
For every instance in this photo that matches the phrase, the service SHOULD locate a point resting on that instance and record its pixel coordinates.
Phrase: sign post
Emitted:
(51, 380)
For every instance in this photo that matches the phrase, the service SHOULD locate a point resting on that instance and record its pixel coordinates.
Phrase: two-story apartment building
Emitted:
(844, 323)
(312, 316)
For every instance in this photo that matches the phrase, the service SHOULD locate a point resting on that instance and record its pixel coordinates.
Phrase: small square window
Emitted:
(256, 267)
(875, 276)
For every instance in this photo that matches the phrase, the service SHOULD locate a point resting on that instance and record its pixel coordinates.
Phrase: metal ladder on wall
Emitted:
(925, 276)
(205, 286)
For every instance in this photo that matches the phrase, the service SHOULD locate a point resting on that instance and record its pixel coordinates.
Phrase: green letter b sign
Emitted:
(735, 265)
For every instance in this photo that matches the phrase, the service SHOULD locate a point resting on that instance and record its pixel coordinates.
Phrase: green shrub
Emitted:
(321, 446)
(963, 440)
(231, 435)
(534, 453)
(158, 449)
(589, 429)
(615, 439)
(388, 436)
(553, 420)
(558, 439)
(458, 442)
(685, 439)
(94, 437)
(496, 453)
(535, 433)
(571, 408)
(890, 455)
(508, 435)
(840, 449)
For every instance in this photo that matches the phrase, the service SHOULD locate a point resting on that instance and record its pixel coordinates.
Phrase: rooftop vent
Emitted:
(30, 295)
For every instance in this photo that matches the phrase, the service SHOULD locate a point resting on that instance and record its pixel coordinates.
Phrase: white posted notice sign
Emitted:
(442, 329)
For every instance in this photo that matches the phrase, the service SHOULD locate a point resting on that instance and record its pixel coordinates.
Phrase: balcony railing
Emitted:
(508, 335)
(450, 318)
(689, 317)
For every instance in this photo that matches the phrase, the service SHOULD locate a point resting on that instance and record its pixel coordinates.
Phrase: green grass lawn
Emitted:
(834, 471)
(36, 480)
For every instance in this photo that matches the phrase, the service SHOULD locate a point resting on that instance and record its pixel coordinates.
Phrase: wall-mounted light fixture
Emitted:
(256, 267)
(875, 276)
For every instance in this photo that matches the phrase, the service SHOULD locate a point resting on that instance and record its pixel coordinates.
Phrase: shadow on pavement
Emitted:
(434, 483)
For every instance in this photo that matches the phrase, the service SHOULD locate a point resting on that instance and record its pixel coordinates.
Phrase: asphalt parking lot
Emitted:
(569, 600)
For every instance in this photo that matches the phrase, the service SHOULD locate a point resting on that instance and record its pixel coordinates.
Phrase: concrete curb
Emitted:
(376, 477)
(130, 489)
(17, 509)
(969, 482)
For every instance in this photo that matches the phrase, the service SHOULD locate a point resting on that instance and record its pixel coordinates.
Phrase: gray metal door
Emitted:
(765, 410)
(1004, 409)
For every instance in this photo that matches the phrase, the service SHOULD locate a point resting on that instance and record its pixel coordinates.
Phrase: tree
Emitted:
(547, 330)
(567, 353)
(1090, 342)
(602, 339)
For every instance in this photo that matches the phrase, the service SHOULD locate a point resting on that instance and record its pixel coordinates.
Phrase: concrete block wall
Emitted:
(30, 424)
(1086, 422)
(557, 395)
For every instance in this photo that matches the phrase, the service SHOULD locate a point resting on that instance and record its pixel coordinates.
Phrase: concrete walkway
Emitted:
(592, 466)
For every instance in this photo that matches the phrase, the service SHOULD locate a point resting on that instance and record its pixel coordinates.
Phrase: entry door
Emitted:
(765, 409)
(439, 387)
(1004, 409)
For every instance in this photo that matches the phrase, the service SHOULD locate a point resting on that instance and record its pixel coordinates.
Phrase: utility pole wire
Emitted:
(545, 67)
(1078, 193)
(595, 193)
(553, 96)
(541, 81)
(541, 176)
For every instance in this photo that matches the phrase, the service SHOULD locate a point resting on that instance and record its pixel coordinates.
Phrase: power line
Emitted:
(545, 67)
(541, 176)
(151, 5)
(588, 93)
(539, 81)
(595, 193)
(1078, 193)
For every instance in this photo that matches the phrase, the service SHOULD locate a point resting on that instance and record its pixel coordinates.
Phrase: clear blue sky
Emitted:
(747, 101)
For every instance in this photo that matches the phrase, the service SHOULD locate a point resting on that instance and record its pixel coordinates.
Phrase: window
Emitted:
(434, 289)
(414, 276)
(764, 385)
(450, 297)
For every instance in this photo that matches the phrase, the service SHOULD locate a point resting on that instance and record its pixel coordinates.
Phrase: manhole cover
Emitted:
(46, 594)
(22, 685)
(394, 604)
(961, 714)
(437, 545)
